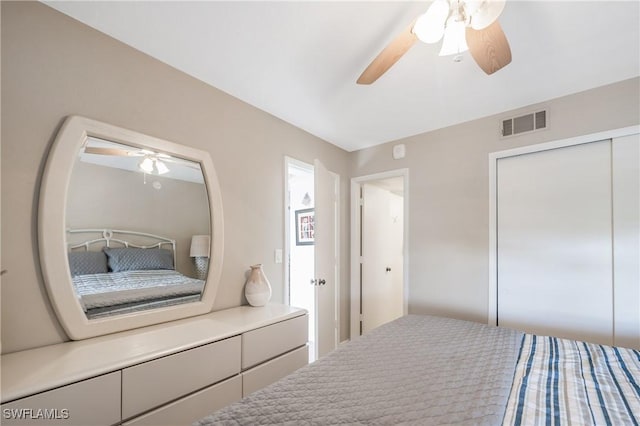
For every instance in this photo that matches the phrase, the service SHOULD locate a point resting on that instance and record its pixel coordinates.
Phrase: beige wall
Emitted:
(449, 192)
(53, 66)
(107, 197)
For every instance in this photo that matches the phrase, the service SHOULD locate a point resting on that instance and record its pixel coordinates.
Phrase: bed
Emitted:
(117, 272)
(430, 370)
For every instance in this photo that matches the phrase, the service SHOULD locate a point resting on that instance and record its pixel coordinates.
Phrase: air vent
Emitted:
(541, 120)
(524, 123)
(507, 127)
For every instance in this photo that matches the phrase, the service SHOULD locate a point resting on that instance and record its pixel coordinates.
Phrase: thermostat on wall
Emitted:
(398, 151)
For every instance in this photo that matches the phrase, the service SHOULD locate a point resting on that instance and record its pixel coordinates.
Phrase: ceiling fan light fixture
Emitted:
(471, 6)
(161, 167)
(146, 165)
(454, 41)
(486, 13)
(429, 27)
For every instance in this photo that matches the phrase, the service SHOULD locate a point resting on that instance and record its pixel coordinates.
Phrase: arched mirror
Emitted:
(130, 229)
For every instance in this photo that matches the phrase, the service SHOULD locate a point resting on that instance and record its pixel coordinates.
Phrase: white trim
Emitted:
(286, 296)
(577, 140)
(354, 308)
(492, 309)
(492, 316)
(336, 193)
(356, 184)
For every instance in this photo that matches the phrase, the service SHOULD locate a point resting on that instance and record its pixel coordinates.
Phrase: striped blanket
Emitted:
(562, 382)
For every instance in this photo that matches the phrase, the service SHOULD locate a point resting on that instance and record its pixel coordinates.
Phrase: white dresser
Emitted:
(172, 373)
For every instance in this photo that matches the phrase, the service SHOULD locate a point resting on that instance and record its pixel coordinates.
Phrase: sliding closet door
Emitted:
(626, 240)
(554, 246)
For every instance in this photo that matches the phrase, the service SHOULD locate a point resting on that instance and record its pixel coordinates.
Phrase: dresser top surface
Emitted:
(36, 370)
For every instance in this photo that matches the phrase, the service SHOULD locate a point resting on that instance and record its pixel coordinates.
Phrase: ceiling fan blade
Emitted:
(389, 56)
(489, 47)
(107, 151)
(186, 163)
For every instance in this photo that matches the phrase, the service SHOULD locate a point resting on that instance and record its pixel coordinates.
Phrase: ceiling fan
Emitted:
(464, 24)
(150, 161)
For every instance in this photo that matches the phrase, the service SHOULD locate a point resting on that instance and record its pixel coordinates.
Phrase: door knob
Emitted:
(313, 281)
(322, 281)
(388, 269)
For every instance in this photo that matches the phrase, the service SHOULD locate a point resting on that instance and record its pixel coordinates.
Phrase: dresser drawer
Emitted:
(268, 342)
(269, 372)
(89, 402)
(151, 384)
(187, 410)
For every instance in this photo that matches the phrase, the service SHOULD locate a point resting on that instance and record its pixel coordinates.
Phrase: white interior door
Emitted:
(326, 255)
(554, 246)
(382, 284)
(626, 240)
(299, 254)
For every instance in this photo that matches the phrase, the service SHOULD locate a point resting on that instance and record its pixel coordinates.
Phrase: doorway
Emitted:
(379, 244)
(311, 250)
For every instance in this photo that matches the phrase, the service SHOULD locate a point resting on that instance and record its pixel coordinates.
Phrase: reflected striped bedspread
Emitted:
(562, 382)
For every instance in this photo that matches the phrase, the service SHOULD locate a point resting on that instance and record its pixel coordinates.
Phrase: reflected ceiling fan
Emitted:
(150, 161)
(462, 24)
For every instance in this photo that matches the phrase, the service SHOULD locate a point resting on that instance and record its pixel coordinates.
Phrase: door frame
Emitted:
(492, 317)
(287, 218)
(356, 185)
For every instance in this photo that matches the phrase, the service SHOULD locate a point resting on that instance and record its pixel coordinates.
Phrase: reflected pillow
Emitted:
(137, 259)
(87, 262)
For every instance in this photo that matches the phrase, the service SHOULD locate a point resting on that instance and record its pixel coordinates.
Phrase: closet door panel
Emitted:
(626, 240)
(554, 242)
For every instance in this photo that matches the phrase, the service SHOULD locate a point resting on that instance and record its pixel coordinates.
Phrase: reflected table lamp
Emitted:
(200, 253)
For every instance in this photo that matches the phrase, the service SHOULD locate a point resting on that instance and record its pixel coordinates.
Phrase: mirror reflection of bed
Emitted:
(159, 203)
(117, 272)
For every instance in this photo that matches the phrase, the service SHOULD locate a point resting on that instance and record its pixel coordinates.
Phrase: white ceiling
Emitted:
(299, 60)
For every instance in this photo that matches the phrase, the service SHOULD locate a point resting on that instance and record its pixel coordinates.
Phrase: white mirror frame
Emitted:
(52, 232)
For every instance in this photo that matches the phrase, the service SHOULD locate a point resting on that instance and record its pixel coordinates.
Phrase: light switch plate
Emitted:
(277, 256)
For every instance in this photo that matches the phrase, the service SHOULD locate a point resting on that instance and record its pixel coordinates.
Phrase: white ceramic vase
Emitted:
(257, 289)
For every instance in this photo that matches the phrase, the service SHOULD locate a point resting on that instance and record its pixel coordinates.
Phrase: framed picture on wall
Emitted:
(304, 227)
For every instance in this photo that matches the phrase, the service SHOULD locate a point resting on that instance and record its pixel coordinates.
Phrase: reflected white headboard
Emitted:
(109, 237)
